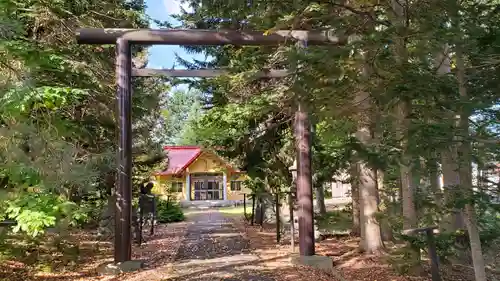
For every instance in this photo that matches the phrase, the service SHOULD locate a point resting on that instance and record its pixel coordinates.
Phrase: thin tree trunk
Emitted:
(449, 160)
(292, 221)
(398, 195)
(277, 212)
(385, 226)
(252, 220)
(402, 125)
(403, 122)
(371, 239)
(419, 179)
(354, 181)
(383, 199)
(320, 199)
(406, 175)
(432, 168)
(262, 212)
(451, 184)
(466, 173)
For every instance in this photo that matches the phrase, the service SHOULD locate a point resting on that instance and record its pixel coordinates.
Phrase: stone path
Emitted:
(214, 250)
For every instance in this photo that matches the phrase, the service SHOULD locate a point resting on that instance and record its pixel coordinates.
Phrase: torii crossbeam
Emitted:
(124, 38)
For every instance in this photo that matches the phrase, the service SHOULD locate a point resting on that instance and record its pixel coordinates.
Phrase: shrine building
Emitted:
(198, 176)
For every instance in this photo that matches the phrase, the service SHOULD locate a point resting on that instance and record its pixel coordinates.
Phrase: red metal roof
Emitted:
(179, 158)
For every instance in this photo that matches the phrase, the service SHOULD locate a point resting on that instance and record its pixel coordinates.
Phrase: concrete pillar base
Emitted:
(111, 268)
(320, 262)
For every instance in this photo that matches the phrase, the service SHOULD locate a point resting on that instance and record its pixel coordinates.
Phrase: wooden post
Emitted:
(139, 227)
(304, 182)
(261, 214)
(123, 214)
(433, 257)
(292, 220)
(278, 228)
(431, 244)
(153, 217)
(253, 209)
(302, 134)
(245, 205)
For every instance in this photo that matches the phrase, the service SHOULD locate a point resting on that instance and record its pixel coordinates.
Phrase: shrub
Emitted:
(334, 222)
(248, 216)
(169, 212)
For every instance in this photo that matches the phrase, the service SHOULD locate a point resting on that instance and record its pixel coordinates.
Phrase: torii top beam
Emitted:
(206, 37)
(204, 73)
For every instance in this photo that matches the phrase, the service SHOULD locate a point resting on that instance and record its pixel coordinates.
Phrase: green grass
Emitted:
(335, 222)
(233, 210)
(224, 210)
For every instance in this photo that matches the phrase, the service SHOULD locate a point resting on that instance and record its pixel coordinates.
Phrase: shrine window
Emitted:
(236, 185)
(176, 186)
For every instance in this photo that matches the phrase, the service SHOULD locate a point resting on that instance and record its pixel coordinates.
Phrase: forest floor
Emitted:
(84, 253)
(349, 263)
(210, 245)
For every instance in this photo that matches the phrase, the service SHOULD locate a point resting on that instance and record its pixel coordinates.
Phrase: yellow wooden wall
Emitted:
(162, 183)
(236, 195)
(205, 163)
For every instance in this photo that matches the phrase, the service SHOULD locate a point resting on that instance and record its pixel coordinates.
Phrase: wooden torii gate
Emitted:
(125, 38)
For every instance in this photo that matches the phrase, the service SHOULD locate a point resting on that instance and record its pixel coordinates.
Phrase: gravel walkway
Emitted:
(214, 250)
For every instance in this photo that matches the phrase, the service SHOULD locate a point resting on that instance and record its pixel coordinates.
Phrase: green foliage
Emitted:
(181, 110)
(57, 112)
(147, 163)
(335, 222)
(34, 212)
(403, 260)
(50, 99)
(168, 211)
(395, 62)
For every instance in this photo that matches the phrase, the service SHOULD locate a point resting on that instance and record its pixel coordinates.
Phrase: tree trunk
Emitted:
(252, 219)
(449, 160)
(291, 209)
(435, 186)
(265, 210)
(260, 211)
(403, 111)
(403, 122)
(320, 199)
(407, 190)
(466, 173)
(419, 179)
(371, 238)
(385, 226)
(406, 176)
(354, 180)
(451, 184)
